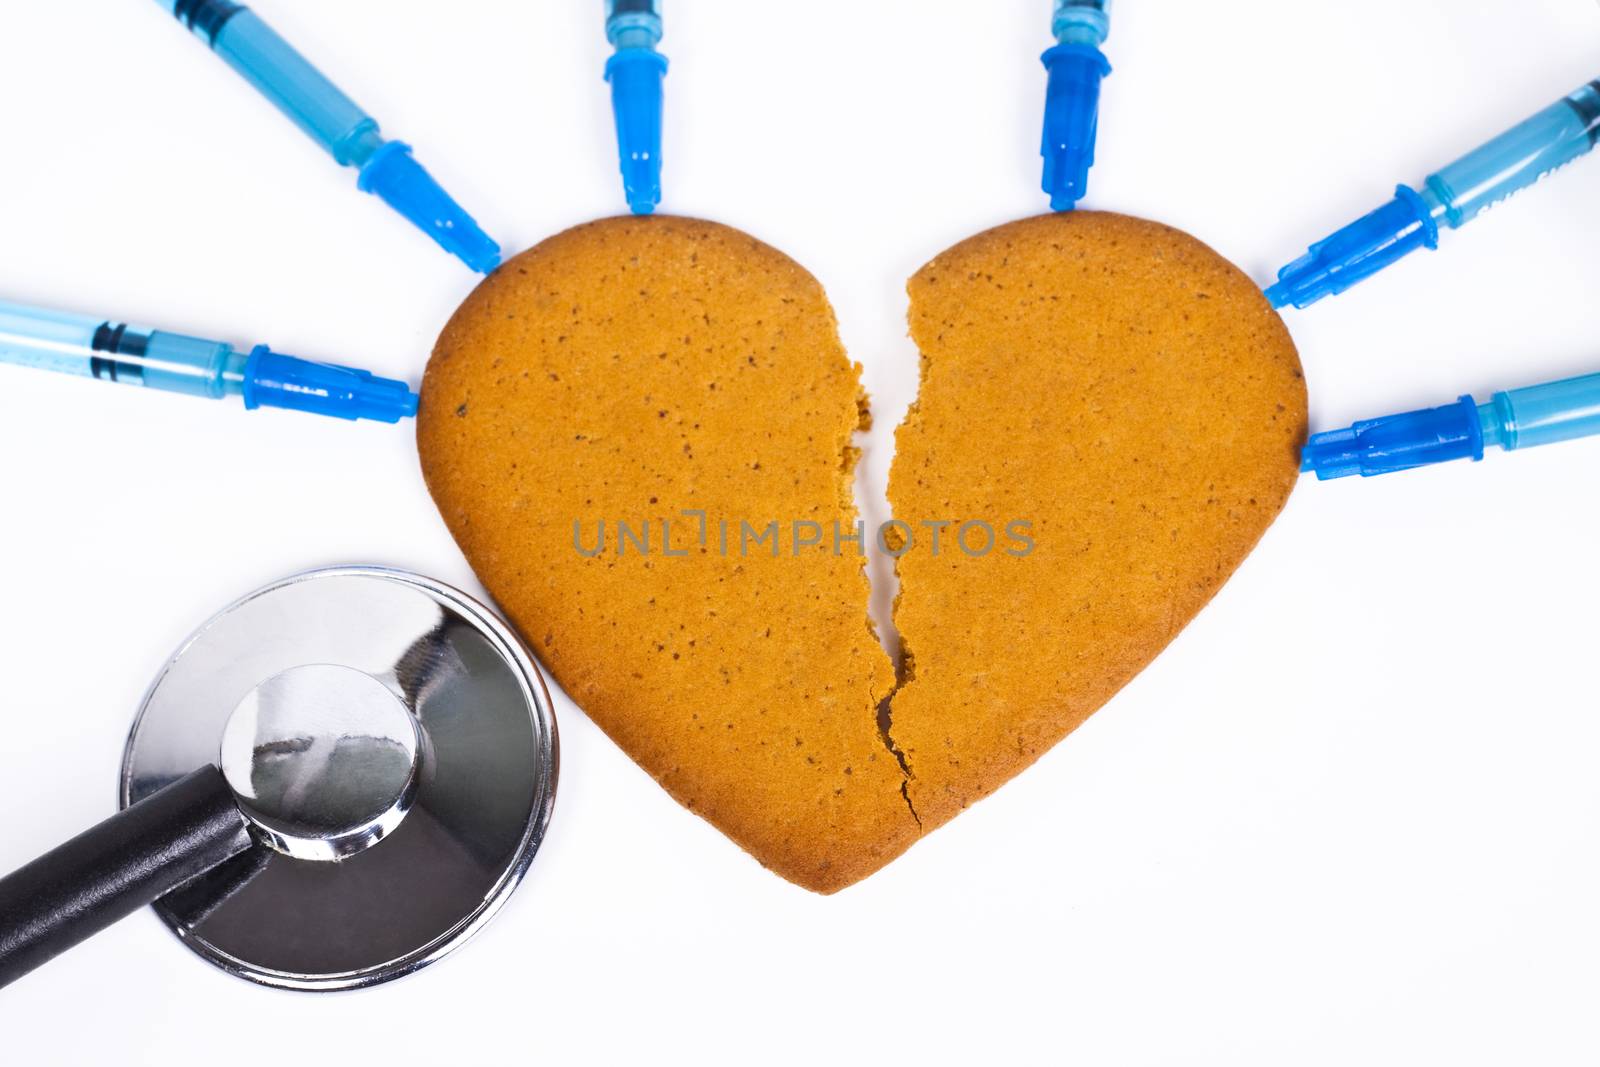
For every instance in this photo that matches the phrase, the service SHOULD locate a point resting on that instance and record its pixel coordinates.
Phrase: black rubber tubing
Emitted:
(109, 872)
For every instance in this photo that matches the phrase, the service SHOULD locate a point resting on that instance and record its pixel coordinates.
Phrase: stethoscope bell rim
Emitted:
(310, 908)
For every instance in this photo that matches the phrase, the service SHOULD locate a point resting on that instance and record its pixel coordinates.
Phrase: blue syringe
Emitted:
(636, 72)
(1452, 197)
(1516, 418)
(333, 120)
(1072, 100)
(113, 351)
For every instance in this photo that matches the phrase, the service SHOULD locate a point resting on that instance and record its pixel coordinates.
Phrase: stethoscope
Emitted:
(333, 783)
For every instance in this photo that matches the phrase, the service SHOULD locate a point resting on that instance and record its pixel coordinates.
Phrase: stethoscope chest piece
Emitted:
(392, 751)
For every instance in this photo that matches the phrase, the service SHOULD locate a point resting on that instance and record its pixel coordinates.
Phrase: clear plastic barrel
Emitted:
(1546, 414)
(1517, 158)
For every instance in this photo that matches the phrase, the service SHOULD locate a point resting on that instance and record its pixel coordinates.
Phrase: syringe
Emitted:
(1516, 418)
(113, 351)
(333, 120)
(1452, 197)
(1072, 100)
(636, 72)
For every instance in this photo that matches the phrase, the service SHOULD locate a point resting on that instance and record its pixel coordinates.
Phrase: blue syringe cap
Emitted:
(1358, 251)
(1071, 120)
(1397, 442)
(279, 381)
(395, 177)
(637, 101)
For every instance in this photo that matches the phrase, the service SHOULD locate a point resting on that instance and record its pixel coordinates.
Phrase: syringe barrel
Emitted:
(91, 347)
(1517, 158)
(633, 23)
(297, 88)
(57, 341)
(1081, 22)
(1548, 413)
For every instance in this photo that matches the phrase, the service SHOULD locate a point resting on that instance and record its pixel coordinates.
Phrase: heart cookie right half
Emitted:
(1126, 400)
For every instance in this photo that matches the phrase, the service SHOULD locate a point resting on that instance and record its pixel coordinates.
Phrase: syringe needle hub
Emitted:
(1358, 251)
(395, 177)
(1072, 98)
(637, 73)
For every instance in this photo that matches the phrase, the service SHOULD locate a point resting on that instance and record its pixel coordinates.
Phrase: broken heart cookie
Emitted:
(639, 433)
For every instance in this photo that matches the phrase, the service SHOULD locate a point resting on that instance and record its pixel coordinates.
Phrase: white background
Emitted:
(1352, 814)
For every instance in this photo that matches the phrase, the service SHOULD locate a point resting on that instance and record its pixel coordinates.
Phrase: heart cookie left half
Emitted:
(639, 432)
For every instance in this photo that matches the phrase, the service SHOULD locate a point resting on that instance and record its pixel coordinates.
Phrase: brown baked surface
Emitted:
(1111, 381)
(630, 369)
(1133, 395)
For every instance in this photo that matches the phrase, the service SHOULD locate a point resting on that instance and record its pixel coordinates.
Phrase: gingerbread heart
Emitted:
(639, 432)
